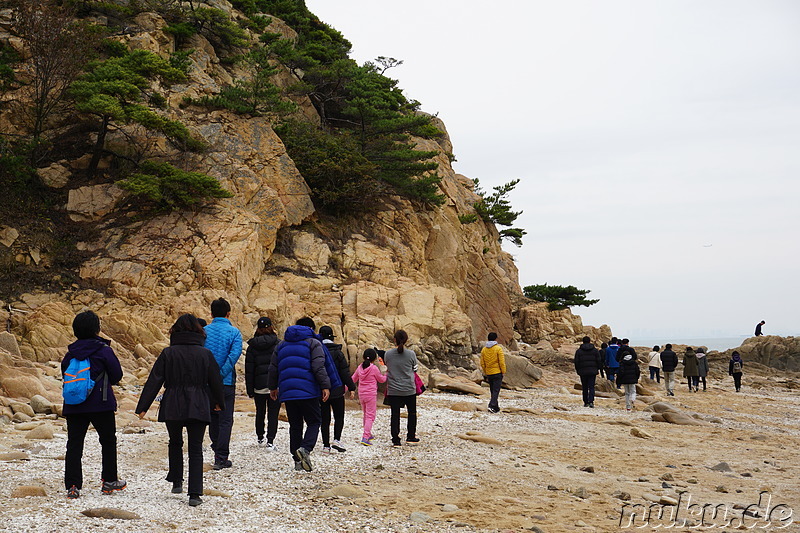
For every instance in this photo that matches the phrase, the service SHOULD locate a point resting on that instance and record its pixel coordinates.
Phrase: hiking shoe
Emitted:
(73, 493)
(326, 450)
(413, 441)
(366, 442)
(270, 447)
(177, 488)
(336, 445)
(112, 486)
(298, 466)
(586, 405)
(591, 405)
(195, 500)
(303, 457)
(225, 463)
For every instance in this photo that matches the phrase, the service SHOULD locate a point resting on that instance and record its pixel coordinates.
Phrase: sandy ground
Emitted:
(535, 473)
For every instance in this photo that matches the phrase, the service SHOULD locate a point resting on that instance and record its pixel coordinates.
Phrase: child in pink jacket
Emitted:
(367, 375)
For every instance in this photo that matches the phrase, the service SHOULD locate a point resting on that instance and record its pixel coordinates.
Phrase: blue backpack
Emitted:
(78, 383)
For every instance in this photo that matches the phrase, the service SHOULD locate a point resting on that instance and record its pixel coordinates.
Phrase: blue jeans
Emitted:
(655, 371)
(221, 425)
(612, 373)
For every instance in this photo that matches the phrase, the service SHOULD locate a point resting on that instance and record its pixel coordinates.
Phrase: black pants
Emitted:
(495, 382)
(221, 425)
(300, 412)
(655, 371)
(337, 405)
(587, 385)
(77, 425)
(737, 380)
(397, 403)
(195, 430)
(703, 380)
(266, 406)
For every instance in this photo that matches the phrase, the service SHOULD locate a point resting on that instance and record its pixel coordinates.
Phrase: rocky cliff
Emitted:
(267, 251)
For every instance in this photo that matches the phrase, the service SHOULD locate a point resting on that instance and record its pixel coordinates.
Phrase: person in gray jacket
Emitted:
(401, 390)
(702, 365)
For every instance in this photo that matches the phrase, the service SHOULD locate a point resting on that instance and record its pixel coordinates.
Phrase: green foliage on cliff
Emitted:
(558, 297)
(168, 187)
(495, 208)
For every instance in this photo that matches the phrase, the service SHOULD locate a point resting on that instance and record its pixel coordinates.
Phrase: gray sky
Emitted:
(642, 130)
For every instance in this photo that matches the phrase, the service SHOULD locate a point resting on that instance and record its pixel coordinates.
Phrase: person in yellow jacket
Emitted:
(493, 365)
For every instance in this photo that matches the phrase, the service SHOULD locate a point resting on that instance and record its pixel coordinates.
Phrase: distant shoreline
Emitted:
(711, 343)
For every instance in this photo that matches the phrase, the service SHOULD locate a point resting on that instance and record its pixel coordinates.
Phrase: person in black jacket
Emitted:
(189, 374)
(256, 371)
(624, 349)
(669, 361)
(587, 364)
(336, 400)
(628, 376)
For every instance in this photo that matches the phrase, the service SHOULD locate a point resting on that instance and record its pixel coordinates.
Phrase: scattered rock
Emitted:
(650, 497)
(133, 431)
(21, 417)
(667, 500)
(643, 480)
(19, 407)
(479, 438)
(41, 405)
(715, 420)
(665, 485)
(666, 477)
(581, 523)
(746, 474)
(8, 341)
(619, 422)
(692, 480)
(444, 382)
(758, 437)
(662, 407)
(536, 529)
(110, 513)
(24, 491)
(682, 419)
(465, 407)
(589, 469)
(560, 408)
(552, 487)
(722, 467)
(45, 431)
(215, 492)
(345, 491)
(621, 495)
(721, 488)
(640, 433)
(581, 492)
(8, 235)
(14, 456)
(449, 508)
(418, 517)
(55, 176)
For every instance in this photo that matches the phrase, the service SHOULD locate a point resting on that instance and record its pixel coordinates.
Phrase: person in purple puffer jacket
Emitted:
(98, 409)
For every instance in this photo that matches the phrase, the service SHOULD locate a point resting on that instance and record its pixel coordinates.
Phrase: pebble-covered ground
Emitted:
(543, 464)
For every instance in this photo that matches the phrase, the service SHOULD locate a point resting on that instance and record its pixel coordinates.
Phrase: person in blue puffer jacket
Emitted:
(612, 365)
(298, 378)
(225, 342)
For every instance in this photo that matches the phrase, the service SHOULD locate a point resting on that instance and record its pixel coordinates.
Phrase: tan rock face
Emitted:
(536, 323)
(86, 204)
(782, 353)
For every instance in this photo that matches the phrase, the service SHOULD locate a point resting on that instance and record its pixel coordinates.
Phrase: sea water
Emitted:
(720, 343)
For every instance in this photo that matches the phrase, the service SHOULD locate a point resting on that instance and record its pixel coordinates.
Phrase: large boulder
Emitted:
(520, 372)
(447, 383)
(782, 353)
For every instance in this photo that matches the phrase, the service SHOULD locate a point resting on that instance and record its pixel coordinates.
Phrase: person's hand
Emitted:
(217, 408)
(273, 394)
(141, 415)
(326, 393)
(352, 395)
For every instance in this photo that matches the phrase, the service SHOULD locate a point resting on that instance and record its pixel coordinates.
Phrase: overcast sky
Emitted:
(658, 144)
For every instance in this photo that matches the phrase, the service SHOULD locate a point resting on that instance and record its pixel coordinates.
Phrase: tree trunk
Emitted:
(98, 148)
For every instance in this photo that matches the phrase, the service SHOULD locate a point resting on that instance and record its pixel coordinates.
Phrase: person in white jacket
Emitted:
(655, 364)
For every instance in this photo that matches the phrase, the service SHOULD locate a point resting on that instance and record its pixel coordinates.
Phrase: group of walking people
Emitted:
(619, 362)
(306, 372)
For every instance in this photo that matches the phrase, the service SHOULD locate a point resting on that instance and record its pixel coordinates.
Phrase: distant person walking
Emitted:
(257, 360)
(669, 361)
(401, 391)
(587, 364)
(602, 368)
(612, 365)
(97, 407)
(758, 328)
(690, 369)
(192, 383)
(628, 377)
(493, 366)
(735, 370)
(702, 366)
(655, 364)
(298, 377)
(335, 402)
(367, 376)
(225, 342)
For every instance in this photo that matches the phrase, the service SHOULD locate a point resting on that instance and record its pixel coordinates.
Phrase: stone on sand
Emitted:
(465, 407)
(640, 433)
(41, 405)
(345, 491)
(110, 513)
(479, 438)
(722, 467)
(682, 419)
(45, 431)
(24, 491)
(14, 456)
(418, 517)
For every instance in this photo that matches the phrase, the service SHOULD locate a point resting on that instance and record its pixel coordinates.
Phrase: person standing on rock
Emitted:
(690, 370)
(367, 375)
(192, 383)
(655, 364)
(98, 409)
(587, 364)
(225, 342)
(758, 328)
(612, 365)
(493, 365)
(702, 366)
(298, 378)
(669, 361)
(628, 376)
(401, 391)
(257, 361)
(735, 370)
(336, 400)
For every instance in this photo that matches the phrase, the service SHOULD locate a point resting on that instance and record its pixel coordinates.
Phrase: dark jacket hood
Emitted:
(587, 347)
(187, 338)
(298, 333)
(262, 341)
(83, 348)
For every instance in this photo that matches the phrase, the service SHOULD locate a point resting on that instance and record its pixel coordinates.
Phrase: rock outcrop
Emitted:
(782, 353)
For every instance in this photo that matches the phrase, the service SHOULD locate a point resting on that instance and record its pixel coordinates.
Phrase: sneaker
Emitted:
(261, 440)
(303, 457)
(496, 410)
(225, 463)
(412, 441)
(628, 409)
(326, 450)
(195, 500)
(298, 466)
(177, 488)
(396, 445)
(591, 405)
(112, 486)
(336, 445)
(366, 442)
(73, 493)
(270, 447)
